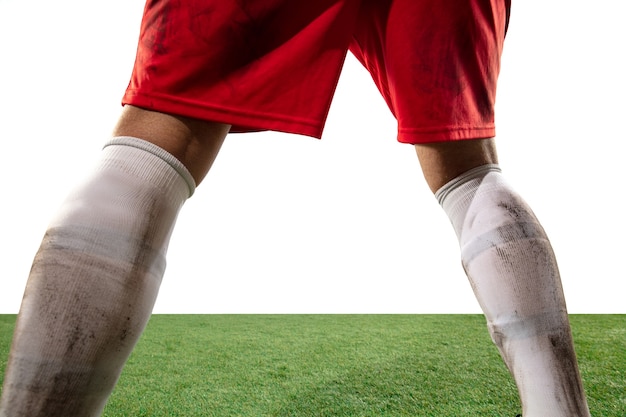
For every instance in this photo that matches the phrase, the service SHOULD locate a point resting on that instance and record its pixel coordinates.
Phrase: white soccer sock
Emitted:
(513, 272)
(94, 282)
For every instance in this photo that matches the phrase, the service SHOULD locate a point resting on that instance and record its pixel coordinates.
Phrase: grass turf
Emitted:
(341, 365)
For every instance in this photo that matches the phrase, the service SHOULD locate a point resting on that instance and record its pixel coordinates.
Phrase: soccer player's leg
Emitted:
(97, 273)
(437, 68)
(513, 272)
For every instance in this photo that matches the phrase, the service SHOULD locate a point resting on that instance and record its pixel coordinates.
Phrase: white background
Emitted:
(288, 224)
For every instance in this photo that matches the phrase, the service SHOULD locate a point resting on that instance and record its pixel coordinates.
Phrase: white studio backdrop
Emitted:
(288, 224)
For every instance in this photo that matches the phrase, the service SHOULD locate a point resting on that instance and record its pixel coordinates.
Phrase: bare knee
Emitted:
(193, 142)
(444, 161)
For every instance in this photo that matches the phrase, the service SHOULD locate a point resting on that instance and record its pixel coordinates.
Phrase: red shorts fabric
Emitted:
(274, 64)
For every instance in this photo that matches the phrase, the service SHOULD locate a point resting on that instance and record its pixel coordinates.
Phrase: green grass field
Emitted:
(341, 365)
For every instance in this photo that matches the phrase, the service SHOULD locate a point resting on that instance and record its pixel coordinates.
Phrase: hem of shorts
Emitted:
(445, 134)
(241, 121)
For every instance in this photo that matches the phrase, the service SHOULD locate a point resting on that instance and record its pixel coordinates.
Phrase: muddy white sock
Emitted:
(513, 272)
(94, 282)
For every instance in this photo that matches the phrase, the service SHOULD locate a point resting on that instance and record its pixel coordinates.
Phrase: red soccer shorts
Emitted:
(274, 64)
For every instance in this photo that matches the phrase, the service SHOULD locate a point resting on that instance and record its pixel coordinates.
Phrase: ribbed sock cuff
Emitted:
(158, 152)
(473, 173)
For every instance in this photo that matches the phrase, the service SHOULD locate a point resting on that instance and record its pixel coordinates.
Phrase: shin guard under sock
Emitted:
(94, 282)
(513, 272)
